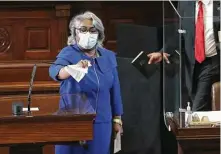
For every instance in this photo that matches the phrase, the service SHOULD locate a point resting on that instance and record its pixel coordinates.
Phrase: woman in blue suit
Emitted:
(100, 85)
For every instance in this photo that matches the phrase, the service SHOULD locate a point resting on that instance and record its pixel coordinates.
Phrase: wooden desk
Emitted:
(28, 135)
(196, 140)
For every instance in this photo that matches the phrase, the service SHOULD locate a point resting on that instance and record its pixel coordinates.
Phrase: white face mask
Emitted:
(87, 40)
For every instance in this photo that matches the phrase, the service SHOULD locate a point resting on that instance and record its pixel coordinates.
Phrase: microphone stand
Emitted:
(30, 89)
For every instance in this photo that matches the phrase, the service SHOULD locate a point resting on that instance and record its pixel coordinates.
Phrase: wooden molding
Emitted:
(198, 133)
(63, 10)
(22, 87)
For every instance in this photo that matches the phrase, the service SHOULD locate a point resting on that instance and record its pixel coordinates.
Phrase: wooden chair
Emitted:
(216, 96)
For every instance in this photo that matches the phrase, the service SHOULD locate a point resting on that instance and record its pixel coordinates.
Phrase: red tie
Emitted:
(199, 36)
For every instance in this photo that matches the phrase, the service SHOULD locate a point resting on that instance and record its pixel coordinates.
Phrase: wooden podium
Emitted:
(28, 134)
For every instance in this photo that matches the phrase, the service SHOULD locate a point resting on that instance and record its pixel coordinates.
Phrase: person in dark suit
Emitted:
(201, 50)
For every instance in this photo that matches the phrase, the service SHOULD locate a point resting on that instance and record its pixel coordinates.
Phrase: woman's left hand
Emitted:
(117, 128)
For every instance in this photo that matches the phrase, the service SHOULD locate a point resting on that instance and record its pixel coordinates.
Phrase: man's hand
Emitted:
(156, 57)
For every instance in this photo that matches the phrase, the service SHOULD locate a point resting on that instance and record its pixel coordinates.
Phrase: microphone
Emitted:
(30, 88)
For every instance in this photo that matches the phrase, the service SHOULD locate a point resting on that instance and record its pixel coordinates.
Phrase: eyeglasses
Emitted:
(84, 29)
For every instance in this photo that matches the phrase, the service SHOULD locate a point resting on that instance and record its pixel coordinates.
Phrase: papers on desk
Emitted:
(205, 118)
(76, 71)
(117, 142)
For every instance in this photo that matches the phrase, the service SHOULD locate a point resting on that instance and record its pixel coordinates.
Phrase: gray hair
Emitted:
(75, 22)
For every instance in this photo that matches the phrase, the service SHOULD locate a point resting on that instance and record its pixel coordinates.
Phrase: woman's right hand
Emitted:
(63, 74)
(84, 63)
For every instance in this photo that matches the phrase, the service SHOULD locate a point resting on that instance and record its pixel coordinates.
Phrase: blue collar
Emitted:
(99, 49)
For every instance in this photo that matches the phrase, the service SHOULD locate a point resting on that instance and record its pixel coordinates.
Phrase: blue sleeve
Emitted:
(117, 106)
(63, 59)
(56, 66)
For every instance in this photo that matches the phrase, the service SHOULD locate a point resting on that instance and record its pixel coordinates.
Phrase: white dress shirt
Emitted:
(210, 44)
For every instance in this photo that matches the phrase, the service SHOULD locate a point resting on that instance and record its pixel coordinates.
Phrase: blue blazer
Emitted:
(98, 91)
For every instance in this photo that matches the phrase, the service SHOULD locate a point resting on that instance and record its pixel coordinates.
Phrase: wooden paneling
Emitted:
(32, 35)
(21, 71)
(47, 103)
(6, 41)
(38, 38)
(23, 87)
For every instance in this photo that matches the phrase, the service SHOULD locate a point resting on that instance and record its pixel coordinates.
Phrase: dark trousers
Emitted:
(205, 74)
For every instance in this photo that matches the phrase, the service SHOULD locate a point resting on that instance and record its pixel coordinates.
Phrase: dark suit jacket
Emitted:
(186, 11)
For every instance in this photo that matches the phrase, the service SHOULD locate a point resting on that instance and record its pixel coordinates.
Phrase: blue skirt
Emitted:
(99, 145)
